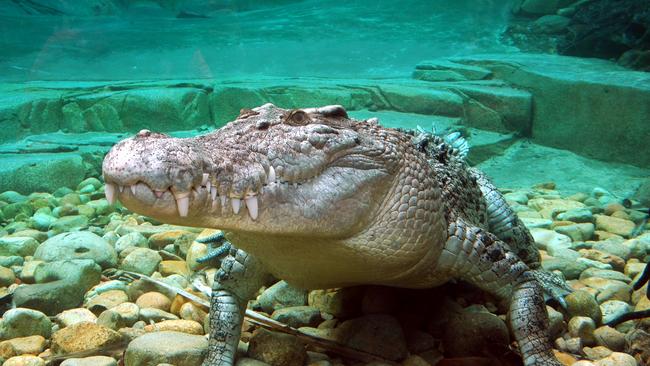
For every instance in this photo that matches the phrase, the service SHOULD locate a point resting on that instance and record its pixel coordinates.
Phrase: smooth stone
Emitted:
(536, 223)
(582, 327)
(471, 333)
(281, 295)
(613, 309)
(190, 311)
(577, 232)
(90, 361)
(246, 361)
(24, 345)
(82, 337)
(106, 300)
(155, 315)
(77, 245)
(609, 289)
(613, 247)
(22, 322)
(92, 181)
(615, 225)
(129, 240)
(176, 325)
(12, 197)
(179, 349)
(30, 233)
(277, 348)
(10, 261)
(7, 277)
(548, 238)
(160, 240)
(69, 223)
(25, 360)
(141, 260)
(73, 316)
(379, 334)
(582, 303)
(154, 300)
(42, 221)
(60, 285)
(616, 262)
(609, 337)
(617, 359)
(298, 316)
(606, 274)
(571, 269)
(341, 303)
(123, 315)
(577, 215)
(171, 267)
(593, 264)
(556, 324)
(597, 352)
(18, 246)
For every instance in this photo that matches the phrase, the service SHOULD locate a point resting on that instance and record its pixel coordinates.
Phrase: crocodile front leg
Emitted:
(480, 258)
(239, 277)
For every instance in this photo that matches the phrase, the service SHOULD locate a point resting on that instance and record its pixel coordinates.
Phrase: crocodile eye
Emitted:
(297, 118)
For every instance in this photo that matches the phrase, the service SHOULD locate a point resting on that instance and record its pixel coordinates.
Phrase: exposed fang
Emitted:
(205, 179)
(158, 193)
(271, 174)
(109, 190)
(251, 203)
(183, 205)
(236, 204)
(133, 189)
(213, 193)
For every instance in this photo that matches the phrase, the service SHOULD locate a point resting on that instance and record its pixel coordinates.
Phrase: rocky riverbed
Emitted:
(56, 250)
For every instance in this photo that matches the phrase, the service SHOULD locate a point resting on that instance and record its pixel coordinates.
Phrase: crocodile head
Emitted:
(289, 172)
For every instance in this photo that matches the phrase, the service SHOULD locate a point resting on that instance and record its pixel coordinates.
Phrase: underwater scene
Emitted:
(324, 183)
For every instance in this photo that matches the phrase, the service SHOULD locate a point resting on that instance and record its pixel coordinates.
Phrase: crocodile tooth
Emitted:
(109, 190)
(208, 185)
(205, 179)
(271, 177)
(133, 189)
(236, 204)
(223, 201)
(213, 193)
(158, 193)
(183, 205)
(251, 203)
(121, 188)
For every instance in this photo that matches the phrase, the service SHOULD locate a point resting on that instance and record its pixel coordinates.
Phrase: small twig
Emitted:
(271, 324)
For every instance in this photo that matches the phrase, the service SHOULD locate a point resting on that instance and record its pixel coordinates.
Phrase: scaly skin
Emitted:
(332, 202)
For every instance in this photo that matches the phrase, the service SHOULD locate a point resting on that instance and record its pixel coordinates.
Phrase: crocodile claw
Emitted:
(223, 247)
(553, 285)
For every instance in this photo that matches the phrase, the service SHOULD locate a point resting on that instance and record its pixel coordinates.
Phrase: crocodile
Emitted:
(321, 200)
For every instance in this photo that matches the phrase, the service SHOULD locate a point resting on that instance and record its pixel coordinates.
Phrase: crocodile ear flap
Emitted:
(297, 117)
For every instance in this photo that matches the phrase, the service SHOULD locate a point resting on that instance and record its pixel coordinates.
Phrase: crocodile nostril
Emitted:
(81, 250)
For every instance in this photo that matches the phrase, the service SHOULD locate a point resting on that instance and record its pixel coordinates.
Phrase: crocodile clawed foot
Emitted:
(553, 285)
(217, 246)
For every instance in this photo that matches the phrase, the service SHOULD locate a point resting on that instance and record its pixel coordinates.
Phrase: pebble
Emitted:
(583, 328)
(609, 337)
(281, 295)
(155, 315)
(19, 246)
(131, 240)
(22, 322)
(612, 309)
(582, 303)
(178, 325)
(176, 348)
(341, 302)
(171, 267)
(107, 300)
(82, 337)
(77, 245)
(154, 300)
(277, 348)
(298, 316)
(25, 360)
(90, 361)
(617, 359)
(120, 316)
(23, 345)
(141, 260)
(7, 277)
(74, 316)
(615, 225)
